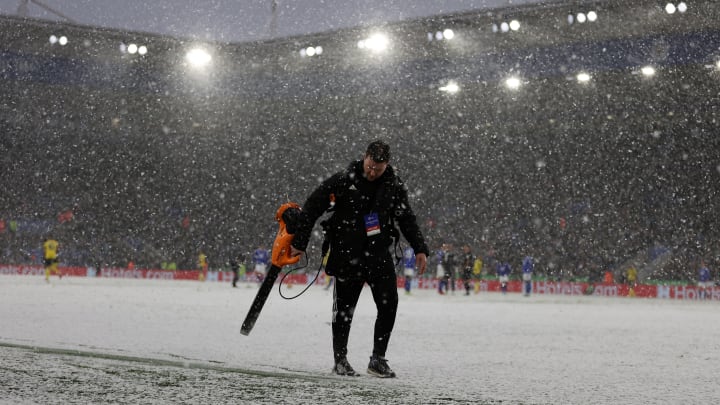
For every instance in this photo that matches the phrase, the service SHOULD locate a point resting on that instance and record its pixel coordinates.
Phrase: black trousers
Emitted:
(345, 298)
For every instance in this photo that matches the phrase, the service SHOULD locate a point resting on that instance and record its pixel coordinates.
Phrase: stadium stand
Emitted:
(155, 162)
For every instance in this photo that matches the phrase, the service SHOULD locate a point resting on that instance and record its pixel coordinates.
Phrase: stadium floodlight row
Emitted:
(551, 23)
(441, 52)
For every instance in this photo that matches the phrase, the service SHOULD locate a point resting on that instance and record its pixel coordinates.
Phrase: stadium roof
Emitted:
(244, 21)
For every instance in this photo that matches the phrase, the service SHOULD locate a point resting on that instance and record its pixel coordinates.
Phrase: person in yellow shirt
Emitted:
(477, 272)
(632, 280)
(202, 261)
(50, 256)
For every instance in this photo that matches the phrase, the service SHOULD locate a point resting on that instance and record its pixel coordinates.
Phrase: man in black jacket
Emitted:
(367, 200)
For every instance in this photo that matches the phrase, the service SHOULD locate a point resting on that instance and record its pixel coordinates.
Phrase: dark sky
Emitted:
(240, 20)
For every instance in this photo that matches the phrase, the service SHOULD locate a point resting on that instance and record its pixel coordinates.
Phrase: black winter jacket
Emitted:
(349, 196)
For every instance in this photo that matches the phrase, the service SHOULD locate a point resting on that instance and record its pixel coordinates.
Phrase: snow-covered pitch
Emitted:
(89, 340)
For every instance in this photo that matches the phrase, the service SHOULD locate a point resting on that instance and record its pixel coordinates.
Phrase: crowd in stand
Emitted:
(583, 179)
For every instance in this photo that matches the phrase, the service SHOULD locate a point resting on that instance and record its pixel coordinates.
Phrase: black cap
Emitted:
(378, 151)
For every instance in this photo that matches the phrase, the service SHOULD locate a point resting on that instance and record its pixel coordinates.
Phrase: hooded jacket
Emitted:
(350, 198)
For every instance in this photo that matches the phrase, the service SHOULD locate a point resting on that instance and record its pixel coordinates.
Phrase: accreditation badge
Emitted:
(372, 224)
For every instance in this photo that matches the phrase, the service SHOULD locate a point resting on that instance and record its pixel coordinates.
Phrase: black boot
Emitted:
(342, 367)
(379, 368)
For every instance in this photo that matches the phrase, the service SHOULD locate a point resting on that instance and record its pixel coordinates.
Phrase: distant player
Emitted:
(468, 260)
(235, 265)
(503, 272)
(440, 270)
(527, 271)
(203, 264)
(632, 280)
(478, 272)
(50, 256)
(261, 259)
(704, 281)
(409, 268)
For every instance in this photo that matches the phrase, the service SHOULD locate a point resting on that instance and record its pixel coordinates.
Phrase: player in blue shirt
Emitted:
(261, 259)
(444, 268)
(409, 267)
(527, 271)
(704, 281)
(503, 272)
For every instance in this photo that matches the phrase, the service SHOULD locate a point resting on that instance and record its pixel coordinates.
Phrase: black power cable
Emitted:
(306, 287)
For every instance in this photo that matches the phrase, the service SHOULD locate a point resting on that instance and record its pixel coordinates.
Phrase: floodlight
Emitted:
(63, 40)
(682, 7)
(375, 43)
(198, 57)
(311, 51)
(647, 71)
(53, 39)
(670, 8)
(448, 33)
(592, 16)
(512, 83)
(583, 77)
(504, 27)
(142, 49)
(132, 49)
(514, 25)
(581, 18)
(450, 88)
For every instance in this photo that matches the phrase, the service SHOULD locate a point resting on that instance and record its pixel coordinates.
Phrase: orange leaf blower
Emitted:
(287, 217)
